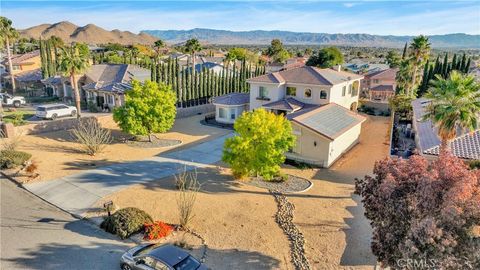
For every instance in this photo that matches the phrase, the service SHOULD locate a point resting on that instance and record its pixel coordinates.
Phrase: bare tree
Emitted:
(91, 135)
(188, 187)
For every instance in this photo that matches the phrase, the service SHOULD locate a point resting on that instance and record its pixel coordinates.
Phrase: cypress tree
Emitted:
(404, 54)
(43, 60)
(462, 64)
(445, 66)
(454, 63)
(153, 74)
(467, 66)
(423, 85)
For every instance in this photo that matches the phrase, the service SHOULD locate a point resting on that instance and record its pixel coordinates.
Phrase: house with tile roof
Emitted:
(321, 105)
(379, 86)
(24, 62)
(26, 68)
(465, 146)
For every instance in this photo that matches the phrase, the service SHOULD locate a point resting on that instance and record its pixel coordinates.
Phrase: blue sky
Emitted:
(372, 17)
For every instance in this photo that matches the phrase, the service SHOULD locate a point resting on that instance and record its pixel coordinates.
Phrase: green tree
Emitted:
(149, 108)
(404, 52)
(8, 34)
(158, 45)
(74, 60)
(326, 58)
(277, 52)
(419, 54)
(259, 147)
(454, 106)
(192, 46)
(393, 59)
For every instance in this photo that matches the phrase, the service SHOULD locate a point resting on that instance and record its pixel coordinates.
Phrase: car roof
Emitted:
(51, 105)
(170, 254)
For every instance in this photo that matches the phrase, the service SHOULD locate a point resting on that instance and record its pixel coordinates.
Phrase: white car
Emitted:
(52, 111)
(10, 100)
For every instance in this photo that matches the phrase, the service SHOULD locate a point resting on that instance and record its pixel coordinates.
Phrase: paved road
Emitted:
(77, 193)
(37, 235)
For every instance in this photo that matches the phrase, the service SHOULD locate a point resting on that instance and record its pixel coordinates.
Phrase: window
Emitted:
(222, 113)
(349, 89)
(376, 81)
(233, 113)
(323, 94)
(16, 67)
(308, 93)
(344, 89)
(291, 91)
(262, 92)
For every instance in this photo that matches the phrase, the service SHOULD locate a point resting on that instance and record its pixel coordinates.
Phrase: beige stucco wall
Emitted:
(238, 110)
(305, 145)
(343, 143)
(275, 92)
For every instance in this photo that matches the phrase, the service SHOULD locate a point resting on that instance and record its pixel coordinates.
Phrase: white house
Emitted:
(229, 107)
(321, 105)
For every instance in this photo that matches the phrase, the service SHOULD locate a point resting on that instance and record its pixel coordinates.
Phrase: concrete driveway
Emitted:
(78, 193)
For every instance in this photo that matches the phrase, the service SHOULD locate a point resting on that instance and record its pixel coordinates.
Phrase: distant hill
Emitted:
(259, 37)
(89, 33)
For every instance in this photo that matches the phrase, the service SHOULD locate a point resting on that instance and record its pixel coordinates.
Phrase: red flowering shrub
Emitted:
(425, 212)
(156, 230)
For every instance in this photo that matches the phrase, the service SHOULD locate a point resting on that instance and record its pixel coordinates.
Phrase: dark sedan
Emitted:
(159, 257)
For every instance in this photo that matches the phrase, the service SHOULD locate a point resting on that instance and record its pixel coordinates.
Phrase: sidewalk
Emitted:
(79, 192)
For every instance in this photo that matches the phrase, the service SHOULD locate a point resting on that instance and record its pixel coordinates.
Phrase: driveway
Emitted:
(78, 193)
(37, 235)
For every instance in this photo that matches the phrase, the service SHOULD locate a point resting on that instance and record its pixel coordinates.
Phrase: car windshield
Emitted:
(41, 109)
(188, 263)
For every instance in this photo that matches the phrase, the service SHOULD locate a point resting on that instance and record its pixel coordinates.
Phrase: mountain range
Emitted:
(260, 37)
(89, 33)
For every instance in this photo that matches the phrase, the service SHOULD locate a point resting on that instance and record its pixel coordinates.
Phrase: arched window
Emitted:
(323, 94)
(308, 93)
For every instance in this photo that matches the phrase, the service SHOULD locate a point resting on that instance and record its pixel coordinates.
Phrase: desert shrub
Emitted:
(188, 188)
(12, 158)
(126, 222)
(156, 230)
(424, 212)
(10, 144)
(259, 147)
(91, 135)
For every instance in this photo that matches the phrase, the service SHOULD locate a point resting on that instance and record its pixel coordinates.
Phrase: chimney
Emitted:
(338, 68)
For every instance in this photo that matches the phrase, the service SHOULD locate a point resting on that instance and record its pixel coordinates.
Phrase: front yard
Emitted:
(237, 220)
(57, 154)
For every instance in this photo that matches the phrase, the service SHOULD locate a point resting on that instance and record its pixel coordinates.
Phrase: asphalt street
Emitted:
(37, 235)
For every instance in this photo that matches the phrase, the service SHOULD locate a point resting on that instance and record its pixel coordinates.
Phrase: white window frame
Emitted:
(260, 88)
(326, 94)
(225, 113)
(344, 90)
(291, 87)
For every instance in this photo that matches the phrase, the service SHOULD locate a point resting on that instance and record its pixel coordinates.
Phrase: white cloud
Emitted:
(349, 5)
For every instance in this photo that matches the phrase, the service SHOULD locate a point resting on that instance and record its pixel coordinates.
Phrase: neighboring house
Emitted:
(26, 69)
(465, 145)
(229, 107)
(363, 67)
(105, 84)
(24, 62)
(293, 62)
(379, 86)
(212, 67)
(321, 105)
(102, 84)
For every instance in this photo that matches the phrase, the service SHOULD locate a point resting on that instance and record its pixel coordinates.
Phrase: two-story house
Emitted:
(321, 105)
(379, 86)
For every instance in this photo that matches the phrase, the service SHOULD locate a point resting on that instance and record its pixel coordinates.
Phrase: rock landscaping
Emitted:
(291, 185)
(284, 218)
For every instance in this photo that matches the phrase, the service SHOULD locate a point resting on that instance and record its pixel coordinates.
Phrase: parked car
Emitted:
(10, 100)
(53, 111)
(164, 257)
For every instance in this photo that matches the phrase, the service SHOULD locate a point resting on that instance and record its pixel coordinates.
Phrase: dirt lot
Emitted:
(238, 223)
(58, 155)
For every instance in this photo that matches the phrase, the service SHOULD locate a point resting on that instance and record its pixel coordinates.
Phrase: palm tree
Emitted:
(420, 51)
(192, 46)
(455, 106)
(74, 59)
(8, 34)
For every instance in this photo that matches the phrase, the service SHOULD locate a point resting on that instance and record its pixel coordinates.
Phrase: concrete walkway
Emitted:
(79, 192)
